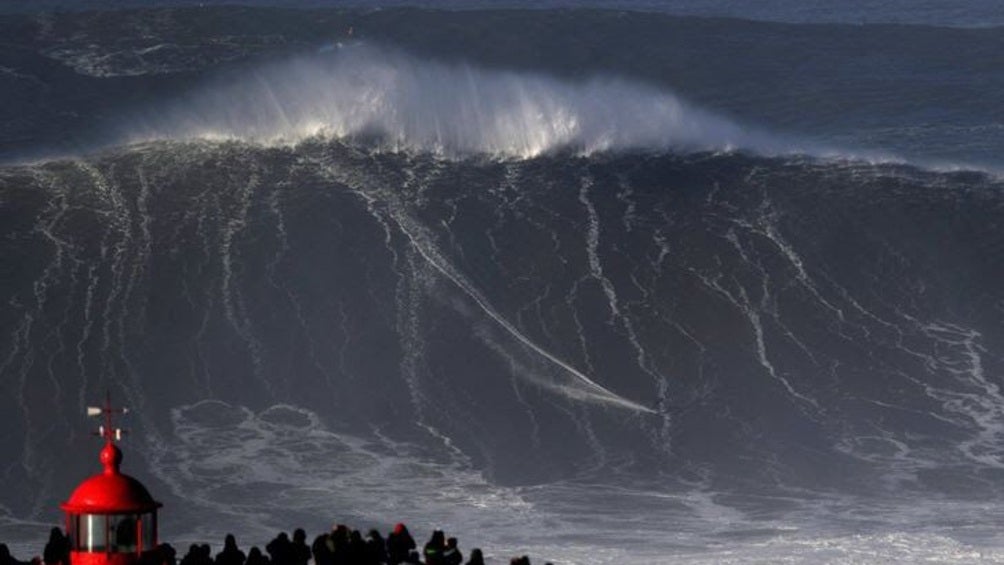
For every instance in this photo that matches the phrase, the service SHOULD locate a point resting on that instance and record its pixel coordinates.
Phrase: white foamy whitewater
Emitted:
(404, 103)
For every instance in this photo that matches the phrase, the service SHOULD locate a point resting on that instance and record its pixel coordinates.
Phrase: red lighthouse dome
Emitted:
(111, 518)
(110, 492)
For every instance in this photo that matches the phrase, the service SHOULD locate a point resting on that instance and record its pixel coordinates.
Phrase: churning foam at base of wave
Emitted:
(283, 465)
(404, 103)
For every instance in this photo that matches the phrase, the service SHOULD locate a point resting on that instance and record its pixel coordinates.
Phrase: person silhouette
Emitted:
(477, 558)
(166, 555)
(451, 554)
(434, 548)
(299, 550)
(280, 549)
(192, 557)
(376, 548)
(400, 546)
(57, 550)
(231, 554)
(256, 557)
(321, 550)
(7, 559)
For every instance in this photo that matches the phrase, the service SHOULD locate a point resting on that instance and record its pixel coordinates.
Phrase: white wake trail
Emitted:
(431, 256)
(582, 387)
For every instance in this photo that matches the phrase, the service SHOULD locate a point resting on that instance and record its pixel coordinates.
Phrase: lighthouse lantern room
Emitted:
(111, 518)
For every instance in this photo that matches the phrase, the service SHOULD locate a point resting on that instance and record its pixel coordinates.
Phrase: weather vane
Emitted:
(108, 430)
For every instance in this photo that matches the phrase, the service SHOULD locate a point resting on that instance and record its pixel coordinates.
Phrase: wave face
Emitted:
(541, 310)
(615, 330)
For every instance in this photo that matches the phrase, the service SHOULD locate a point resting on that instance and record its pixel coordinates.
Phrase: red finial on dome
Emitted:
(111, 458)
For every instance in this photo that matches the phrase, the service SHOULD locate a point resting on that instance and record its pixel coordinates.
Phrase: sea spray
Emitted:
(403, 103)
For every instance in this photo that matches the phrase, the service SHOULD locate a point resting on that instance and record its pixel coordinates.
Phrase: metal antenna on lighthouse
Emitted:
(108, 431)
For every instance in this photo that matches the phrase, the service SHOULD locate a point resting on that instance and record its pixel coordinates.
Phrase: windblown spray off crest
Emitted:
(403, 103)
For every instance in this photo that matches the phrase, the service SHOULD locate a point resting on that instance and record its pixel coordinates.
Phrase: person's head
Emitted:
(55, 534)
(167, 550)
(254, 553)
(229, 542)
(400, 529)
(451, 543)
(4, 551)
(320, 540)
(438, 538)
(299, 536)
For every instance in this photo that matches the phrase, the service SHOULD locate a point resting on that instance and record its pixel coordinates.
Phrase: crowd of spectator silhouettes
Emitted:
(340, 546)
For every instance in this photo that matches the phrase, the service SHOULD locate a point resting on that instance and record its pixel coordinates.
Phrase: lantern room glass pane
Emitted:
(113, 533)
(123, 532)
(88, 532)
(148, 531)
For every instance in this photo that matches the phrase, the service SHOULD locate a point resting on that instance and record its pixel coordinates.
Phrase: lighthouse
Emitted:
(111, 519)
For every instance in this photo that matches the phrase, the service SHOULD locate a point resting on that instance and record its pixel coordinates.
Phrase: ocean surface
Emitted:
(600, 283)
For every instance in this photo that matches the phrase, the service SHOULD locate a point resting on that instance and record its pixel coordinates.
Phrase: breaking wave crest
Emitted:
(403, 103)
